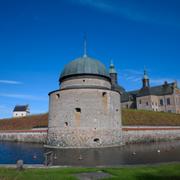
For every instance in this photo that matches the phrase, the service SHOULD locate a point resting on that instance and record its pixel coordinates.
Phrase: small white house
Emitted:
(21, 111)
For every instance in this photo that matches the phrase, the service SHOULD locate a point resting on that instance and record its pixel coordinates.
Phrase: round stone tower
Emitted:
(85, 111)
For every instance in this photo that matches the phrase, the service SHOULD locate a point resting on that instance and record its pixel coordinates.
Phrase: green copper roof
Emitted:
(112, 69)
(145, 75)
(84, 65)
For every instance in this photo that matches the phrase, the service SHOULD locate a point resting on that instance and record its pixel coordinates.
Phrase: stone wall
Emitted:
(83, 82)
(131, 134)
(77, 113)
(135, 134)
(35, 136)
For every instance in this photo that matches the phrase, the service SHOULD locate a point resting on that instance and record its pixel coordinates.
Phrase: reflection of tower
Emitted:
(113, 74)
(145, 80)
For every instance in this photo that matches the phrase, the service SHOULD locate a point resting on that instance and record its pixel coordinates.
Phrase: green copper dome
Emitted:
(84, 66)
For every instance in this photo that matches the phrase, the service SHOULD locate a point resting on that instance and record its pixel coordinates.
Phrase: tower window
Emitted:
(96, 140)
(57, 96)
(78, 110)
(104, 94)
(161, 102)
(168, 101)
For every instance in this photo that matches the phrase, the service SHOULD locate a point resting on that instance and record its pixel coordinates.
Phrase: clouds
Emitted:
(10, 82)
(135, 76)
(149, 11)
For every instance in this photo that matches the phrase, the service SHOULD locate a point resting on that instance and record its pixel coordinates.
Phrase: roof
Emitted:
(21, 108)
(165, 89)
(145, 75)
(84, 66)
(112, 69)
(157, 90)
(118, 88)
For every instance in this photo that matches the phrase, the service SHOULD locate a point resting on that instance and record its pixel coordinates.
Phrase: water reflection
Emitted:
(129, 154)
(30, 153)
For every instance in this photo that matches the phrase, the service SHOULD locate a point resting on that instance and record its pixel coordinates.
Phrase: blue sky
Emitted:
(38, 37)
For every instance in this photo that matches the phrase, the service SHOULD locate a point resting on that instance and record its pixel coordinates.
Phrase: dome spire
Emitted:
(85, 46)
(145, 76)
(112, 68)
(145, 79)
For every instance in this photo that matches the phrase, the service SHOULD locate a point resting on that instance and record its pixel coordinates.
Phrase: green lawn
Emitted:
(161, 172)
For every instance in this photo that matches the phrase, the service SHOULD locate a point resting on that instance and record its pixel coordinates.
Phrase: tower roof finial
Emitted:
(145, 74)
(112, 68)
(85, 46)
(111, 62)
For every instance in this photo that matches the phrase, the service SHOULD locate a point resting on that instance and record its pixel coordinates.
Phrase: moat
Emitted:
(126, 155)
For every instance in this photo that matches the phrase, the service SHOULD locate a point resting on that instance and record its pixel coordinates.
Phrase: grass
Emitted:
(149, 118)
(40, 120)
(160, 172)
(129, 117)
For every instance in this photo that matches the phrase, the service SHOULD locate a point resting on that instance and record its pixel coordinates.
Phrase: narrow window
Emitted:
(168, 101)
(66, 124)
(147, 103)
(161, 102)
(84, 80)
(140, 101)
(78, 110)
(104, 94)
(127, 106)
(96, 140)
(57, 96)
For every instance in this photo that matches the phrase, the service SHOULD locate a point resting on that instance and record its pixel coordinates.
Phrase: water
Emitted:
(10, 152)
(129, 154)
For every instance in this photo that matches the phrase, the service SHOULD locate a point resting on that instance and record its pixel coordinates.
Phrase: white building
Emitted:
(21, 111)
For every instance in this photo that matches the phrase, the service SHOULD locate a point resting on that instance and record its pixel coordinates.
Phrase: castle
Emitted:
(86, 110)
(163, 98)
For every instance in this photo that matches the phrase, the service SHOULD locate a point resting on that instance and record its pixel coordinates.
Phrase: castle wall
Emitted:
(152, 102)
(131, 134)
(84, 118)
(82, 82)
(34, 136)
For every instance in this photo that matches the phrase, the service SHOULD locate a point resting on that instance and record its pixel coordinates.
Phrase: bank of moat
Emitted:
(85, 111)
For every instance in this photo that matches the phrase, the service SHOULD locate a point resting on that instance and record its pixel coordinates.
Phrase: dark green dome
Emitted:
(84, 66)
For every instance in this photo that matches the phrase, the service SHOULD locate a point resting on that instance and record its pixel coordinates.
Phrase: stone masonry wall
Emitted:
(85, 82)
(77, 113)
(35, 136)
(131, 134)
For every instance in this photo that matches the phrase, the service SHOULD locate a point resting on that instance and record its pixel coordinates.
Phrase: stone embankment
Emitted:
(131, 134)
(35, 136)
(136, 134)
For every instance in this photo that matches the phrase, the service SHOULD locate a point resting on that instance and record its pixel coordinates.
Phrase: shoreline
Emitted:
(131, 134)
